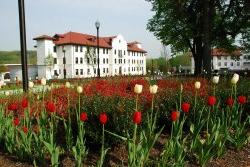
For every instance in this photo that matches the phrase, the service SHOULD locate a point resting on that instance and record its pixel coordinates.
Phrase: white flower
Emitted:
(181, 88)
(138, 88)
(31, 84)
(197, 85)
(7, 93)
(215, 79)
(235, 78)
(67, 85)
(43, 81)
(79, 89)
(153, 89)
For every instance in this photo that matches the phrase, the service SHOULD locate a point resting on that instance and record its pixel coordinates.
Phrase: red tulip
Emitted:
(185, 107)
(16, 121)
(51, 107)
(230, 101)
(13, 107)
(24, 103)
(175, 115)
(25, 129)
(83, 117)
(137, 117)
(211, 100)
(242, 99)
(103, 118)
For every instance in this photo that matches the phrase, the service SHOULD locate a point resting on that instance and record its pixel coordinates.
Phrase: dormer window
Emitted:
(54, 49)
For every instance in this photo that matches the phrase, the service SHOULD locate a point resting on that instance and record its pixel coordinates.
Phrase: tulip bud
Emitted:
(181, 88)
(138, 89)
(79, 89)
(31, 84)
(197, 85)
(215, 79)
(7, 93)
(235, 79)
(49, 88)
(43, 81)
(67, 85)
(153, 89)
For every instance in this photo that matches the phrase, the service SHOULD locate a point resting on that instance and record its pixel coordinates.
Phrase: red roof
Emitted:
(43, 37)
(86, 40)
(224, 52)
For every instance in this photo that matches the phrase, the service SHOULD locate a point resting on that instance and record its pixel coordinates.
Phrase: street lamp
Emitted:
(97, 25)
(64, 63)
(23, 45)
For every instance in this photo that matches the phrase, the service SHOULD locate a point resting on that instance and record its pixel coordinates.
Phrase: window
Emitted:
(94, 70)
(107, 51)
(81, 72)
(77, 72)
(225, 58)
(88, 71)
(107, 61)
(103, 60)
(115, 61)
(55, 60)
(128, 61)
(87, 60)
(80, 48)
(55, 73)
(107, 70)
(76, 48)
(103, 70)
(238, 63)
(76, 60)
(128, 69)
(219, 58)
(94, 60)
(124, 61)
(115, 51)
(219, 63)
(54, 49)
(129, 53)
(103, 51)
(124, 52)
(232, 64)
(225, 63)
(81, 60)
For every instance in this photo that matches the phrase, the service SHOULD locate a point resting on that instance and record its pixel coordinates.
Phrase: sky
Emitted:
(126, 17)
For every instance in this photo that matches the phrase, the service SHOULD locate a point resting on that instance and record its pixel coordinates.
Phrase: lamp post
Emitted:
(64, 63)
(23, 44)
(97, 25)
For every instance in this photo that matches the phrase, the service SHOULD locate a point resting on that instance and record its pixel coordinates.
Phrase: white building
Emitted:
(117, 56)
(230, 61)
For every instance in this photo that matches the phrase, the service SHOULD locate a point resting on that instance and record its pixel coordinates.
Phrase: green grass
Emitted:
(14, 57)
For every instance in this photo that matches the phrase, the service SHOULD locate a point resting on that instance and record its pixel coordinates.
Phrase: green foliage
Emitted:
(14, 57)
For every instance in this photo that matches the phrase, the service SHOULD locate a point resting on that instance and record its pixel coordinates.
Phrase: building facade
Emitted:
(230, 61)
(76, 54)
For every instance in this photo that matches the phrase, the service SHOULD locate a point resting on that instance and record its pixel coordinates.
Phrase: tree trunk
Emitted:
(206, 37)
(197, 54)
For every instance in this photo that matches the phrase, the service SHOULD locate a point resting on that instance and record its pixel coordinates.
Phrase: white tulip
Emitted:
(138, 88)
(153, 89)
(216, 79)
(181, 88)
(7, 93)
(79, 89)
(67, 85)
(31, 84)
(235, 78)
(197, 85)
(43, 81)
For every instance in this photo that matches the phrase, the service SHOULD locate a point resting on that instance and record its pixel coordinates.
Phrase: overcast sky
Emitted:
(126, 17)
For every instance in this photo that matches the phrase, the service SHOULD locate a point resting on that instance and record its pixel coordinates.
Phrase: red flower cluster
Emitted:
(16, 121)
(175, 115)
(83, 117)
(230, 101)
(103, 118)
(242, 99)
(13, 106)
(25, 129)
(24, 103)
(185, 107)
(211, 100)
(51, 107)
(137, 117)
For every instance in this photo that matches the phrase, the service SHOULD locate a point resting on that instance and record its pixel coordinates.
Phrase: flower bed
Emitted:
(202, 120)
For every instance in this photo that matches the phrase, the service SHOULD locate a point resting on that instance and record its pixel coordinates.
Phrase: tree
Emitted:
(199, 25)
(91, 56)
(49, 62)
